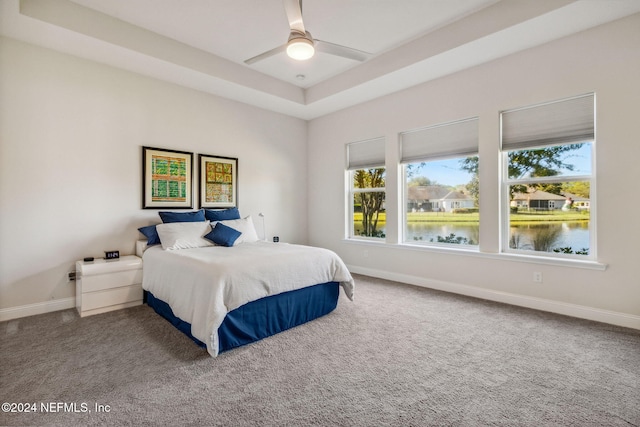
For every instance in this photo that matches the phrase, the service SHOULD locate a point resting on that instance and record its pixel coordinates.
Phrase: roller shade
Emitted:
(366, 154)
(454, 139)
(565, 121)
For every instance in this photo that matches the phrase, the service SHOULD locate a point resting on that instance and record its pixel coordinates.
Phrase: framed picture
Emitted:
(167, 179)
(218, 181)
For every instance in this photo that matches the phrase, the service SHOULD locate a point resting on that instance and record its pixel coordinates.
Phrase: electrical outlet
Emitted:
(365, 254)
(537, 277)
(71, 277)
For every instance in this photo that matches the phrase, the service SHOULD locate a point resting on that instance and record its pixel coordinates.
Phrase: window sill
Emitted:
(473, 251)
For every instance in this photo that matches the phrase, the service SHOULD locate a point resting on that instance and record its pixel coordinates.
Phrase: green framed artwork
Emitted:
(167, 179)
(218, 181)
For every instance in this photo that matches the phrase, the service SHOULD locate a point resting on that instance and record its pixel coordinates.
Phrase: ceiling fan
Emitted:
(301, 45)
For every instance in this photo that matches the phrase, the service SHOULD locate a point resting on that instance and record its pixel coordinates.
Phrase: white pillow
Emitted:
(245, 226)
(184, 235)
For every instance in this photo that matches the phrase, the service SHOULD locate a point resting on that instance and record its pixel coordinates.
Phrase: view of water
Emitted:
(573, 234)
(421, 232)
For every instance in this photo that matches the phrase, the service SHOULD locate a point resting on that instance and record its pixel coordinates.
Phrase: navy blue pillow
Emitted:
(223, 235)
(221, 214)
(168, 217)
(151, 234)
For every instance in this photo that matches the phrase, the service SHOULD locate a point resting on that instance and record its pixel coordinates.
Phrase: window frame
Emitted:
(350, 200)
(506, 183)
(457, 139)
(496, 247)
(363, 155)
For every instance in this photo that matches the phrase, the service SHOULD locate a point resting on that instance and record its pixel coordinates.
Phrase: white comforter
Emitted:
(202, 285)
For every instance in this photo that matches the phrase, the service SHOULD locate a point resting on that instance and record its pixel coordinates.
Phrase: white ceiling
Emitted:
(202, 44)
(240, 29)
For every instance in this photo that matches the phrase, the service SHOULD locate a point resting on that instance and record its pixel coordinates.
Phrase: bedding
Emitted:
(244, 226)
(169, 217)
(221, 214)
(223, 235)
(151, 234)
(184, 235)
(261, 318)
(202, 285)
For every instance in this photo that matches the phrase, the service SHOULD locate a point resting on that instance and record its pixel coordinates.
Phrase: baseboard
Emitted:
(37, 308)
(567, 309)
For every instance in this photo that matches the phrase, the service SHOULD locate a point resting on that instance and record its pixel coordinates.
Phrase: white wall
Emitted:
(71, 133)
(605, 60)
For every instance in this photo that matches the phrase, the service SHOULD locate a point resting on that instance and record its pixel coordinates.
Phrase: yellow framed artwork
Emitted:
(218, 181)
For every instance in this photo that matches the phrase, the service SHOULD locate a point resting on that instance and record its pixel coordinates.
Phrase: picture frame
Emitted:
(218, 184)
(167, 179)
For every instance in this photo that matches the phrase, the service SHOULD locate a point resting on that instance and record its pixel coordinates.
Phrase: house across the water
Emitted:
(436, 198)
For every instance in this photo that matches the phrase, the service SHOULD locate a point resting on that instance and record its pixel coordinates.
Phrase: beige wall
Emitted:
(71, 133)
(604, 60)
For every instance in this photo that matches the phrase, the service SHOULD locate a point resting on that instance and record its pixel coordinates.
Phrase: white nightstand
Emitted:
(103, 286)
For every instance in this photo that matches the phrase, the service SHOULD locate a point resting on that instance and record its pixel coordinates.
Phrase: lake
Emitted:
(574, 234)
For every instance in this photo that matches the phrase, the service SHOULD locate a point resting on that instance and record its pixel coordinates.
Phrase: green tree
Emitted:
(535, 163)
(473, 188)
(371, 203)
(419, 181)
(540, 162)
(579, 188)
(470, 164)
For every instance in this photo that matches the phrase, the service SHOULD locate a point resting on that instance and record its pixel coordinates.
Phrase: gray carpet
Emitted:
(396, 356)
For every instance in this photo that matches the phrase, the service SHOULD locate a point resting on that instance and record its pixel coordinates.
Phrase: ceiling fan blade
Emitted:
(266, 54)
(293, 8)
(339, 50)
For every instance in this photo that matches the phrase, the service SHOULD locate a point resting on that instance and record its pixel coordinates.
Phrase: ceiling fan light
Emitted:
(300, 48)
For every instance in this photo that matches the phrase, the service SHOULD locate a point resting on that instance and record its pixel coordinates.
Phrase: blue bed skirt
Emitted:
(261, 318)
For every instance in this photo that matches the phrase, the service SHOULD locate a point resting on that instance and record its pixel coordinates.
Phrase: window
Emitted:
(367, 195)
(548, 178)
(441, 191)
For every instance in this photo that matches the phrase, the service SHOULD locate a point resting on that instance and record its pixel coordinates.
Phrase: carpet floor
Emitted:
(398, 355)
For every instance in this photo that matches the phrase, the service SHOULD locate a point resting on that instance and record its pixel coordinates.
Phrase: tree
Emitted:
(540, 162)
(412, 169)
(535, 163)
(419, 181)
(473, 188)
(579, 188)
(371, 203)
(470, 164)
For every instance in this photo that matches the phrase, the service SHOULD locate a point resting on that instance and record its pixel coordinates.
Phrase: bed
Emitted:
(224, 297)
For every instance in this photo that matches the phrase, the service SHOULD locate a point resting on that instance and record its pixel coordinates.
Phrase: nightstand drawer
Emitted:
(111, 297)
(103, 285)
(111, 280)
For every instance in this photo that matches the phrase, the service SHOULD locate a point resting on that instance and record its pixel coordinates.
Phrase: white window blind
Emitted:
(564, 121)
(366, 154)
(455, 139)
